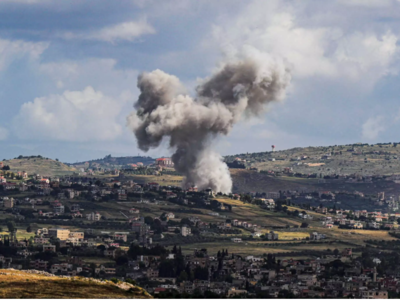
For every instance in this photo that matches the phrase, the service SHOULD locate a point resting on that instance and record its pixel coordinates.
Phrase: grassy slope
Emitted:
(345, 163)
(267, 219)
(162, 180)
(42, 166)
(243, 212)
(19, 284)
(251, 181)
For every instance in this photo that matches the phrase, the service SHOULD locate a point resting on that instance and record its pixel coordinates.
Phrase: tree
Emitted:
(29, 229)
(304, 225)
(121, 260)
(11, 226)
(166, 269)
(179, 263)
(245, 198)
(163, 217)
(183, 276)
(149, 220)
(201, 273)
(101, 247)
(247, 285)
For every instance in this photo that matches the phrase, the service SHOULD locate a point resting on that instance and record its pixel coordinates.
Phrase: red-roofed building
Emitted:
(164, 162)
(159, 290)
(44, 181)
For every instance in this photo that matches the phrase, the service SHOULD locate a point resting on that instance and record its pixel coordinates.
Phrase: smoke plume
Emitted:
(164, 109)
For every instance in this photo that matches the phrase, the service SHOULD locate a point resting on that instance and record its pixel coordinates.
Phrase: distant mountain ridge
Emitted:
(361, 159)
(108, 161)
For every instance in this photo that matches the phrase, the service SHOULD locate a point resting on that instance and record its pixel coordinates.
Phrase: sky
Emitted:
(68, 70)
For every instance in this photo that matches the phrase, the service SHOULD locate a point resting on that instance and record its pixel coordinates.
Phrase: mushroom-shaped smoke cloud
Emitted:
(165, 110)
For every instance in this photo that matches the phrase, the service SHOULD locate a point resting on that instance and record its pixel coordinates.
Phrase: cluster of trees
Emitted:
(197, 199)
(29, 157)
(135, 251)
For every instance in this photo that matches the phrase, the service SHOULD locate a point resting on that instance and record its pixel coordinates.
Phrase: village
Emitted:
(67, 235)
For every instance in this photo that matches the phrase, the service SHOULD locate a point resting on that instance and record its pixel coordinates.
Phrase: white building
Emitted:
(59, 209)
(185, 230)
(94, 216)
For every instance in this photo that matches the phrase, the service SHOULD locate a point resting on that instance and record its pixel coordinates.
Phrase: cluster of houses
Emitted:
(254, 276)
(50, 240)
(361, 219)
(249, 275)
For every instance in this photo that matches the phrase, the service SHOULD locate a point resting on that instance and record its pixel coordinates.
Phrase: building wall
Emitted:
(62, 234)
(8, 203)
(77, 235)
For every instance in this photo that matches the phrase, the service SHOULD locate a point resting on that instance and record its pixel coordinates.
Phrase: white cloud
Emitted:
(277, 28)
(128, 31)
(3, 133)
(367, 3)
(373, 127)
(86, 115)
(362, 54)
(11, 50)
(98, 73)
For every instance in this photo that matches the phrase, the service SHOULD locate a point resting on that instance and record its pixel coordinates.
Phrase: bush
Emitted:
(115, 280)
(304, 225)
(131, 281)
(134, 289)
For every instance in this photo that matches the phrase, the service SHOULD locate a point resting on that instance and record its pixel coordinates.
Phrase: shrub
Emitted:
(131, 281)
(115, 280)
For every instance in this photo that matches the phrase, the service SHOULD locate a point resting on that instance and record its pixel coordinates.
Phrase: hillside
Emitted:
(39, 165)
(291, 240)
(361, 159)
(114, 162)
(37, 284)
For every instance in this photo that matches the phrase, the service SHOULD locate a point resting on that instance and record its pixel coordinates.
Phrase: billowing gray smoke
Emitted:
(164, 109)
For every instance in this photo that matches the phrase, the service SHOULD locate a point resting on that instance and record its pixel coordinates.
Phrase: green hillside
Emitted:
(361, 159)
(109, 162)
(39, 165)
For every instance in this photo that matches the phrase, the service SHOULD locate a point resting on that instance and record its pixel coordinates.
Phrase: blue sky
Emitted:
(68, 70)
